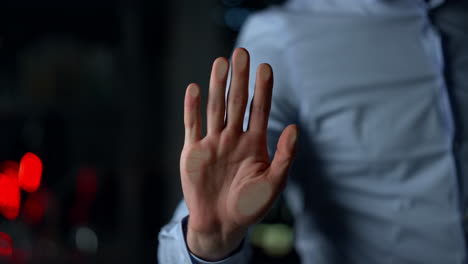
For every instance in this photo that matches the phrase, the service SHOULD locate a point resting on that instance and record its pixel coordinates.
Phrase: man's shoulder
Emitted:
(279, 26)
(269, 25)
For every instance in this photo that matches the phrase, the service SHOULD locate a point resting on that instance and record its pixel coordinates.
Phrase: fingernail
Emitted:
(294, 137)
(221, 69)
(193, 90)
(241, 59)
(265, 72)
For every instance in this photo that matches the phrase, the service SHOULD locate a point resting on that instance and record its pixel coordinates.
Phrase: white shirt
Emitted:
(380, 170)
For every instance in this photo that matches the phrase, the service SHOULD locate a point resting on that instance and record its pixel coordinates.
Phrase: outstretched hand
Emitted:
(227, 178)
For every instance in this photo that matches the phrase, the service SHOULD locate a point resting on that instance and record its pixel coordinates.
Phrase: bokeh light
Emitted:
(6, 245)
(86, 184)
(275, 239)
(10, 196)
(235, 17)
(30, 172)
(86, 240)
(34, 207)
(9, 167)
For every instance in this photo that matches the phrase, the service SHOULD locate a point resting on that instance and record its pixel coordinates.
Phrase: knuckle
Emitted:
(238, 99)
(259, 109)
(214, 107)
(228, 138)
(256, 135)
(190, 123)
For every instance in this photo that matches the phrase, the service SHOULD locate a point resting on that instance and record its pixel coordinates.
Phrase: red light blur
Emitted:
(6, 245)
(30, 172)
(34, 207)
(9, 167)
(10, 198)
(86, 185)
(20, 256)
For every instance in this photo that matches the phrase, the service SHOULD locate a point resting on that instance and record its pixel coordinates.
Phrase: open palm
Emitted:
(227, 178)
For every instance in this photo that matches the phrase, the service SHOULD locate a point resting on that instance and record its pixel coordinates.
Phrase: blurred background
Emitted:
(95, 88)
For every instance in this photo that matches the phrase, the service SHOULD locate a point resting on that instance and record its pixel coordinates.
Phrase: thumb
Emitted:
(284, 155)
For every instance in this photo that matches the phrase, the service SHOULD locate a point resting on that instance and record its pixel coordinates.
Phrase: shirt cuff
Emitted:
(233, 258)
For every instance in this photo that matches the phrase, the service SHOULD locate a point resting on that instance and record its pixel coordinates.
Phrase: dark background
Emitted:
(95, 89)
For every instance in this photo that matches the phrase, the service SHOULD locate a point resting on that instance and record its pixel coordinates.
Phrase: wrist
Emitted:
(213, 246)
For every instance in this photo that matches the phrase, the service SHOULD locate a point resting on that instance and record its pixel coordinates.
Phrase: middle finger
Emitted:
(238, 90)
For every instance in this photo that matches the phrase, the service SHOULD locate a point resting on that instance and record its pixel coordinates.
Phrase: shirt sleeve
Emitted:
(173, 248)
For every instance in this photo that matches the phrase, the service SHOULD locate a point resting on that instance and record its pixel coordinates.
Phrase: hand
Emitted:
(227, 178)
